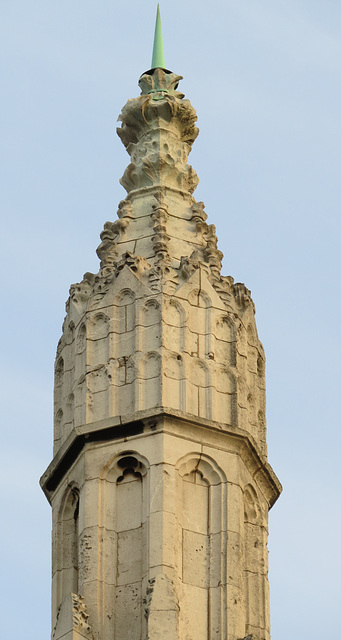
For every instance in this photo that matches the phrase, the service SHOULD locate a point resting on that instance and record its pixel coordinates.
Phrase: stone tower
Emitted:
(160, 486)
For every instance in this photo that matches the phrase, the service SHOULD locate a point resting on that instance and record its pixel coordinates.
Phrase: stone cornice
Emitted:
(161, 419)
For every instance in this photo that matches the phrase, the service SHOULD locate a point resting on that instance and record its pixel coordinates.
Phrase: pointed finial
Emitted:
(158, 58)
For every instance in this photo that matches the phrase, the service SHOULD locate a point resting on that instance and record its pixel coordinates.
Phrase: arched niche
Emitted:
(98, 339)
(58, 424)
(224, 328)
(261, 420)
(68, 543)
(69, 414)
(59, 372)
(124, 336)
(150, 365)
(150, 313)
(124, 298)
(80, 402)
(252, 352)
(252, 510)
(225, 341)
(80, 352)
(124, 311)
(199, 298)
(150, 380)
(200, 320)
(123, 542)
(198, 388)
(58, 384)
(81, 339)
(224, 394)
(252, 379)
(205, 465)
(68, 332)
(261, 365)
(174, 389)
(174, 312)
(150, 325)
(98, 326)
(97, 394)
(201, 540)
(174, 318)
(255, 563)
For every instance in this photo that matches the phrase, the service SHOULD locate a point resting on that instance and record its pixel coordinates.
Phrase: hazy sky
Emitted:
(264, 76)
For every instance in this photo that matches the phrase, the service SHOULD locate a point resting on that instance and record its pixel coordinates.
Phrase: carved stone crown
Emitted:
(161, 231)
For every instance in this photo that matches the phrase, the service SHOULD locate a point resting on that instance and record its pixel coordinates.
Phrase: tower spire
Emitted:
(160, 471)
(158, 57)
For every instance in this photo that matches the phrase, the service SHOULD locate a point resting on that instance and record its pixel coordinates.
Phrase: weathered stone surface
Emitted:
(72, 620)
(160, 486)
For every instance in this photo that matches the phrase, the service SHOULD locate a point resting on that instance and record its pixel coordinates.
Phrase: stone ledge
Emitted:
(145, 423)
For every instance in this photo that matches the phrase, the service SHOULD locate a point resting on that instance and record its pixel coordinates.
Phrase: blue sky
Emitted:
(264, 77)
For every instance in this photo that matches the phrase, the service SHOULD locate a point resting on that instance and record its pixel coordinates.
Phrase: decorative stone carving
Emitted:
(168, 278)
(139, 265)
(159, 84)
(214, 256)
(107, 251)
(199, 215)
(161, 239)
(158, 160)
(79, 613)
(223, 287)
(159, 98)
(124, 209)
(159, 216)
(162, 236)
(242, 295)
(188, 265)
(160, 414)
(80, 292)
(112, 233)
(158, 129)
(72, 618)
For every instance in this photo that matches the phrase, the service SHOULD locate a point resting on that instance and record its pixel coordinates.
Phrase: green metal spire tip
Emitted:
(158, 57)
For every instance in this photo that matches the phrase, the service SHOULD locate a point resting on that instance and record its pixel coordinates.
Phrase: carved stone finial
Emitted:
(159, 83)
(161, 232)
(158, 117)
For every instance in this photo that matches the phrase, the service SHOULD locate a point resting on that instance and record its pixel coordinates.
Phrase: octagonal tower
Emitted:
(160, 485)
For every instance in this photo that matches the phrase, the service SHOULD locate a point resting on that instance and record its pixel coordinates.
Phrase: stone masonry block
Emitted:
(193, 612)
(161, 539)
(162, 488)
(129, 552)
(235, 559)
(195, 564)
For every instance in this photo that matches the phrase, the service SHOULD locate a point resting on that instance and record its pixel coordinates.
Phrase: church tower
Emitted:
(160, 486)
